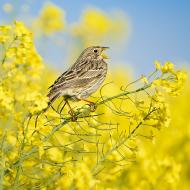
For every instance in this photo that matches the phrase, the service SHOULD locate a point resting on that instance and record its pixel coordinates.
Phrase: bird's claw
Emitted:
(92, 106)
(73, 116)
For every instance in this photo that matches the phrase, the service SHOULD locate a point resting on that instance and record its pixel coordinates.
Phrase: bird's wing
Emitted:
(78, 79)
(69, 74)
(78, 76)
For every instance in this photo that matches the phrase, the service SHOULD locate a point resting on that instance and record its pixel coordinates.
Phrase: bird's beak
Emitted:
(104, 56)
(104, 48)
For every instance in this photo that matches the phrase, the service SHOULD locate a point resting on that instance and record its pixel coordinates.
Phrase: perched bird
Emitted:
(83, 78)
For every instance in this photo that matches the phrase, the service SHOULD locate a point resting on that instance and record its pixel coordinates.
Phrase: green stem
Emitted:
(5, 55)
(20, 154)
(117, 145)
(79, 114)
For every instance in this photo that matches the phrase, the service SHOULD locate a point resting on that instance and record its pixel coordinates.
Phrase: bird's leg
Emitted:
(62, 107)
(91, 104)
(71, 112)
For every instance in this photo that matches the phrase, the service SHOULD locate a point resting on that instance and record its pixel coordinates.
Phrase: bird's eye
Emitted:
(95, 50)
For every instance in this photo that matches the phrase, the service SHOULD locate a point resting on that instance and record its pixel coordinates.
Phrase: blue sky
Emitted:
(160, 28)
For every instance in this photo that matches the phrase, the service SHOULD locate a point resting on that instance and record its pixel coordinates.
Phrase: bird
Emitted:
(82, 79)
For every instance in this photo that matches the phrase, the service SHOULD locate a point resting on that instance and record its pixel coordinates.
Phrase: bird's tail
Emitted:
(52, 98)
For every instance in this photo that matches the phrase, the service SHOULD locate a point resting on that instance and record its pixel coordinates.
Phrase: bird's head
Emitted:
(95, 52)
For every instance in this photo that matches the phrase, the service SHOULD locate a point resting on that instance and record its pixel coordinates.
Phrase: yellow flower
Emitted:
(38, 102)
(6, 99)
(3, 39)
(181, 76)
(41, 151)
(20, 29)
(167, 67)
(157, 65)
(83, 177)
(95, 26)
(11, 139)
(5, 33)
(50, 20)
(95, 22)
(55, 154)
(144, 79)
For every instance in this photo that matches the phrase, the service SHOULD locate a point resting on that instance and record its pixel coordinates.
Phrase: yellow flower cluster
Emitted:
(4, 33)
(50, 151)
(173, 81)
(50, 20)
(163, 164)
(20, 68)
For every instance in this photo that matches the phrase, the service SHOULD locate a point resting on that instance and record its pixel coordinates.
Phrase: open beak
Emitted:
(104, 48)
(104, 56)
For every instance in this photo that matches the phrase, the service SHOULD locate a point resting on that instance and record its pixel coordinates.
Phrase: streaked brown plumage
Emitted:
(83, 78)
